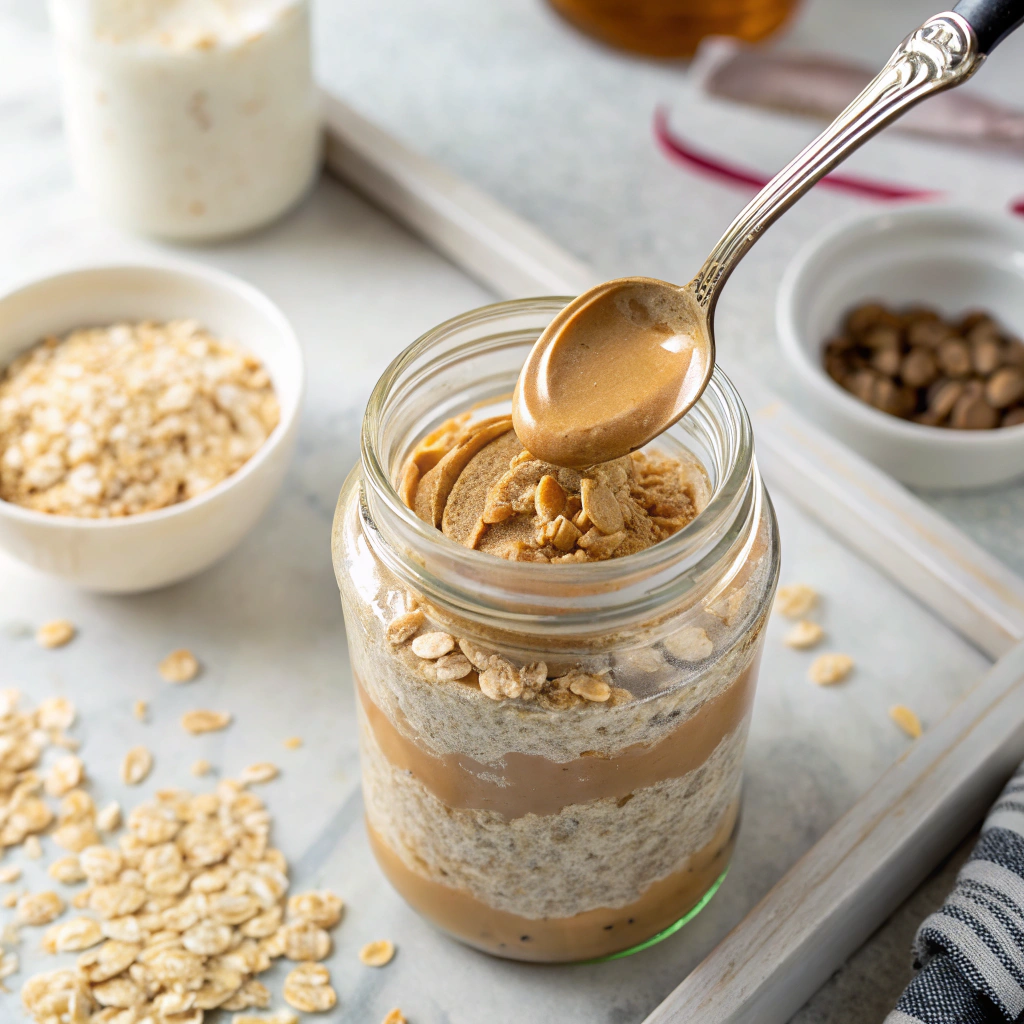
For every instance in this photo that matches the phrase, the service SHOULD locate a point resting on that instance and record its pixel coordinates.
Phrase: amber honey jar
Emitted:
(673, 28)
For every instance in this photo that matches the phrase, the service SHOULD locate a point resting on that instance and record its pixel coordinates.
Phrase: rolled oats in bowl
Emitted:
(116, 420)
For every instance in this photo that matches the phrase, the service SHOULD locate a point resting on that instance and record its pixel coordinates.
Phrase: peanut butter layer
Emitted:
(527, 784)
(479, 486)
(593, 933)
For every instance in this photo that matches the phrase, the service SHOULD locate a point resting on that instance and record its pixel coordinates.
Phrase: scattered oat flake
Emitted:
(691, 643)
(795, 600)
(65, 774)
(137, 764)
(72, 936)
(395, 1017)
(906, 720)
(9, 874)
(10, 899)
(200, 721)
(67, 870)
(433, 645)
(180, 666)
(55, 633)
(33, 848)
(263, 771)
(201, 767)
(402, 627)
(36, 908)
(108, 818)
(56, 713)
(827, 669)
(277, 1017)
(9, 964)
(308, 988)
(322, 907)
(140, 709)
(293, 742)
(803, 635)
(377, 954)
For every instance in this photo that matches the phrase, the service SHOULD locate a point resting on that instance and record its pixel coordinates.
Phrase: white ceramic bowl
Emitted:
(152, 549)
(950, 258)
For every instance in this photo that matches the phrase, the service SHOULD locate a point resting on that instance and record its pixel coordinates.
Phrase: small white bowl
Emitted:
(153, 549)
(949, 258)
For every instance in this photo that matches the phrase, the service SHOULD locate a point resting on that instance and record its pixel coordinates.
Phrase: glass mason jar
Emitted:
(552, 830)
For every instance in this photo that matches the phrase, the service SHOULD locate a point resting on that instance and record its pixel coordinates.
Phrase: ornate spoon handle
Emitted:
(942, 53)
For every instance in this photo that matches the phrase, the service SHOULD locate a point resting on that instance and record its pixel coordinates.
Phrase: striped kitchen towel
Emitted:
(971, 952)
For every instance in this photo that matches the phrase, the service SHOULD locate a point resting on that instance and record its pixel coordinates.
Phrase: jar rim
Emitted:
(635, 583)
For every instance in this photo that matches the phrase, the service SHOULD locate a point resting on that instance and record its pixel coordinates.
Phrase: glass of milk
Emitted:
(189, 119)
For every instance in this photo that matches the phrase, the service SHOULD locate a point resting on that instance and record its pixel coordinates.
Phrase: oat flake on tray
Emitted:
(112, 421)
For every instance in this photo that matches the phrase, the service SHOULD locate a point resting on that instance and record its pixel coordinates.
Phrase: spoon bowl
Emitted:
(613, 369)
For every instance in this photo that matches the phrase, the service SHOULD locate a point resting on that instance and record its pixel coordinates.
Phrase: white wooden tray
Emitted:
(921, 806)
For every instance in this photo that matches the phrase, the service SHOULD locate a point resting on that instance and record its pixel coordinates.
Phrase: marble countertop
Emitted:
(266, 621)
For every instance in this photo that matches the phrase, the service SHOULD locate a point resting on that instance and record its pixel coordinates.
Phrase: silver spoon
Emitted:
(626, 359)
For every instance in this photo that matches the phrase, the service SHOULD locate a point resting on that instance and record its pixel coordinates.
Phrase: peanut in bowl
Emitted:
(934, 259)
(161, 523)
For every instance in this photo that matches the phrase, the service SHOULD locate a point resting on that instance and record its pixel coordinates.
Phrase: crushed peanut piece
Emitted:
(549, 499)
(377, 954)
(137, 764)
(795, 600)
(140, 709)
(600, 506)
(803, 635)
(293, 742)
(200, 721)
(592, 688)
(56, 633)
(201, 767)
(433, 645)
(308, 988)
(906, 720)
(402, 627)
(264, 771)
(112, 421)
(827, 669)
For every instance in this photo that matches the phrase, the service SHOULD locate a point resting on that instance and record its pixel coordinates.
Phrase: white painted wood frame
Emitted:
(880, 850)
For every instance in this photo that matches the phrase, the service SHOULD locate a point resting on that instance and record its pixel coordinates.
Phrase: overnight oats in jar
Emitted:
(555, 667)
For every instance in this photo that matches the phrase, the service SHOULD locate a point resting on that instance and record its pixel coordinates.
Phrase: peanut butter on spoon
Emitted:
(625, 360)
(616, 367)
